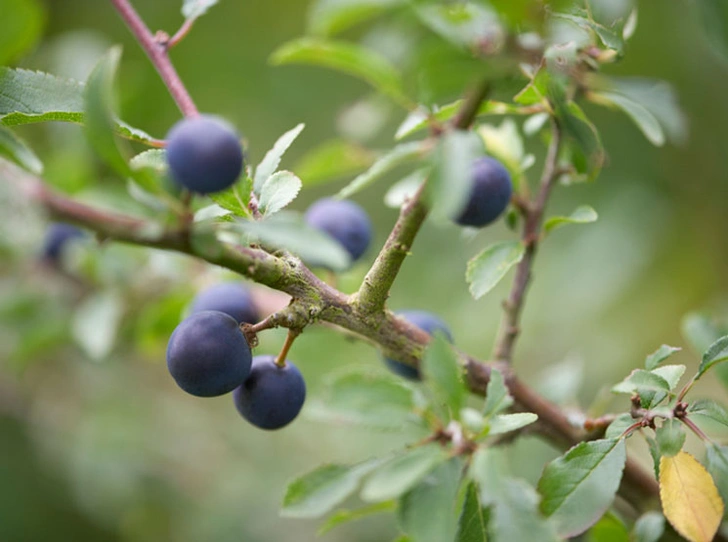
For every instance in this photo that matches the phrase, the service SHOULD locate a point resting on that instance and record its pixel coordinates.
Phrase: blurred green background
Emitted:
(96, 441)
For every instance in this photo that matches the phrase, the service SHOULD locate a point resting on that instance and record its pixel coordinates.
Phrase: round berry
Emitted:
(428, 323)
(204, 154)
(490, 193)
(57, 236)
(229, 297)
(208, 355)
(343, 220)
(272, 396)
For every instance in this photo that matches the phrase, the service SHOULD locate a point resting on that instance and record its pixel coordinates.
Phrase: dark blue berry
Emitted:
(272, 396)
(229, 297)
(428, 323)
(343, 220)
(208, 355)
(57, 237)
(204, 154)
(490, 193)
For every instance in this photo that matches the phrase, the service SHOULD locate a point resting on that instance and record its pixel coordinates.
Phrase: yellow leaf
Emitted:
(689, 497)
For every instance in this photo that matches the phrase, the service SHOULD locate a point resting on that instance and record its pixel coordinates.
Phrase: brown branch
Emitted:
(157, 53)
(533, 214)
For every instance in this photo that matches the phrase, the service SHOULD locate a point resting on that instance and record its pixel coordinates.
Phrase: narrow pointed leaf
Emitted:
(651, 387)
(581, 215)
(578, 487)
(473, 522)
(279, 190)
(272, 158)
(346, 516)
(328, 17)
(716, 353)
(497, 398)
(401, 473)
(192, 9)
(443, 374)
(487, 268)
(640, 115)
(690, 500)
(709, 409)
(18, 151)
(505, 423)
(319, 491)
(660, 355)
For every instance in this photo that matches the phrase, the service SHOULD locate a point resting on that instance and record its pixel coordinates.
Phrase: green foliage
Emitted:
(17, 150)
(441, 369)
(581, 215)
(272, 158)
(192, 9)
(278, 190)
(670, 437)
(488, 268)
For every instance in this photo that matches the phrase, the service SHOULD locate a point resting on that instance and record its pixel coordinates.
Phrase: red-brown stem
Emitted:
(181, 33)
(533, 215)
(157, 53)
(292, 334)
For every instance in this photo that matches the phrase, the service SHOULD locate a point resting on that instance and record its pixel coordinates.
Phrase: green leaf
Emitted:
(587, 145)
(716, 353)
(578, 487)
(700, 331)
(639, 114)
(329, 17)
(497, 398)
(488, 468)
(652, 388)
(16, 149)
(95, 323)
(452, 173)
(345, 516)
(154, 159)
(537, 89)
(331, 160)
(401, 154)
(708, 408)
(427, 513)
(649, 528)
(272, 158)
(620, 424)
(581, 215)
(660, 355)
(717, 465)
(610, 38)
(671, 373)
(406, 188)
(366, 399)
(192, 9)
(29, 96)
(487, 268)
(465, 25)
(473, 522)
(515, 515)
(714, 15)
(443, 375)
(608, 529)
(347, 58)
(316, 493)
(236, 198)
(99, 112)
(290, 232)
(505, 423)
(670, 437)
(401, 473)
(23, 22)
(279, 190)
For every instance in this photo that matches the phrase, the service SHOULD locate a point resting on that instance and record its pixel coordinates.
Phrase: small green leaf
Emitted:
(99, 112)
(443, 374)
(515, 515)
(464, 25)
(452, 173)
(489, 469)
(716, 353)
(427, 512)
(192, 9)
(17, 150)
(581, 215)
(290, 232)
(279, 190)
(589, 155)
(717, 465)
(401, 473)
(608, 529)
(497, 398)
(154, 159)
(401, 154)
(348, 58)
(272, 158)
(473, 522)
(649, 527)
(346, 516)
(401, 191)
(96, 322)
(582, 18)
(505, 423)
(620, 424)
(316, 493)
(671, 373)
(366, 399)
(660, 355)
(670, 437)
(331, 160)
(578, 487)
(709, 409)
(23, 22)
(651, 387)
(639, 114)
(487, 268)
(329, 17)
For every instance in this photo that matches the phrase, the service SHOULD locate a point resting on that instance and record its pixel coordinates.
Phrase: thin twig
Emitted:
(290, 337)
(157, 53)
(181, 33)
(533, 218)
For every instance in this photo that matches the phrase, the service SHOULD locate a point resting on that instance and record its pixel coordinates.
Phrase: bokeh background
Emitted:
(96, 441)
